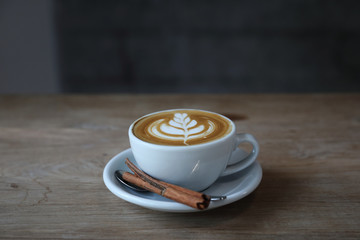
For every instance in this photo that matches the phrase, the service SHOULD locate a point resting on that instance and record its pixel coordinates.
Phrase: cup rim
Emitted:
(206, 144)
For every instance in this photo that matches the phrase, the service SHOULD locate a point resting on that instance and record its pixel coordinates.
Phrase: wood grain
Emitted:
(54, 148)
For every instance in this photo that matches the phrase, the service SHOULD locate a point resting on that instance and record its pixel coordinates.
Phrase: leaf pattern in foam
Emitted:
(183, 121)
(180, 127)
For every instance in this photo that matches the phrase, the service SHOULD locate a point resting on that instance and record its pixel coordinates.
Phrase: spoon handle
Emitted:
(217, 198)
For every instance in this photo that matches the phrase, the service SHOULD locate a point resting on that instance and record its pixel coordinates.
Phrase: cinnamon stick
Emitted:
(186, 196)
(140, 173)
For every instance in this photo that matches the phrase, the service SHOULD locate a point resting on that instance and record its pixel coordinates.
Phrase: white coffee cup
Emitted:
(195, 166)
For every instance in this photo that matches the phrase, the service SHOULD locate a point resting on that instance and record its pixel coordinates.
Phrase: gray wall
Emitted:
(216, 46)
(179, 46)
(28, 60)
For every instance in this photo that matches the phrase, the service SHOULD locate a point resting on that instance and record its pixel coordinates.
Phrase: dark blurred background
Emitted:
(157, 46)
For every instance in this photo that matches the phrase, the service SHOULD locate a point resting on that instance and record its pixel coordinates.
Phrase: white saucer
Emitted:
(234, 187)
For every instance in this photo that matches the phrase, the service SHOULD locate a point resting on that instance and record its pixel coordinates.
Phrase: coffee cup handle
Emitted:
(243, 162)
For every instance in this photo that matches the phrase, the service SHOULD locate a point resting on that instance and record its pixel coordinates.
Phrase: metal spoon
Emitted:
(118, 175)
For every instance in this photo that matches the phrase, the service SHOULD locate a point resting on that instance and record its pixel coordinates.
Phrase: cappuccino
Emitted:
(181, 127)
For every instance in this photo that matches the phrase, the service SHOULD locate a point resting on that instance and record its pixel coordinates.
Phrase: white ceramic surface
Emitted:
(235, 186)
(196, 166)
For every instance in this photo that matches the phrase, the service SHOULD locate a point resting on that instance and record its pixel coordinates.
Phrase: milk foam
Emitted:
(180, 127)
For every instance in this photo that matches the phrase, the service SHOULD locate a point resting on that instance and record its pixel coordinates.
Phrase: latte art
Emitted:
(182, 127)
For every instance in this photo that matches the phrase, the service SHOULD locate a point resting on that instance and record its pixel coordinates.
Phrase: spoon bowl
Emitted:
(118, 175)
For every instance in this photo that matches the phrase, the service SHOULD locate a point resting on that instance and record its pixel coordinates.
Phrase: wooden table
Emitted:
(54, 149)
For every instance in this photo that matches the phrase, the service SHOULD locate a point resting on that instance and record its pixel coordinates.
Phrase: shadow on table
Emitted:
(276, 192)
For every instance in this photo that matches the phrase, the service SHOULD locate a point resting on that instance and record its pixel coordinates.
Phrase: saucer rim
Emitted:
(171, 206)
